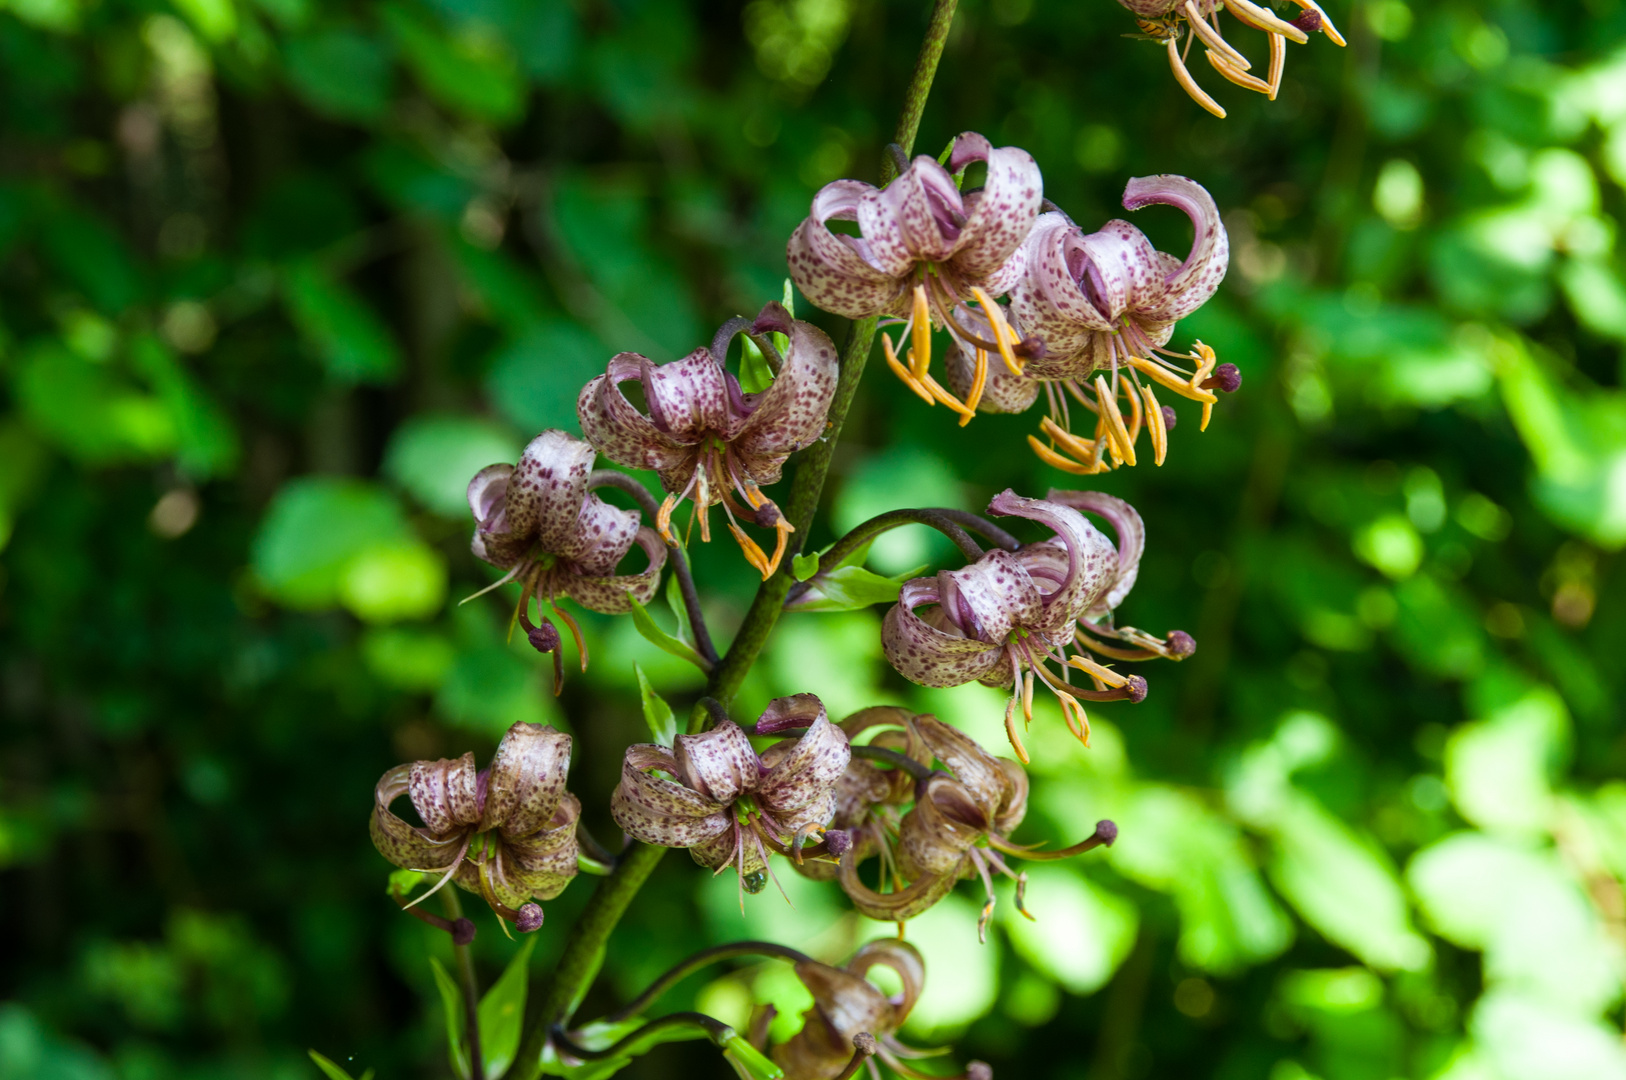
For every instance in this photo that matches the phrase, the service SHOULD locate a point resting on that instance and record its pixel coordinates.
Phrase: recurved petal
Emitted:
(615, 426)
(444, 793)
(940, 828)
(991, 597)
(904, 960)
(846, 1001)
(544, 496)
(1119, 271)
(1131, 532)
(527, 779)
(829, 269)
(1049, 299)
(927, 655)
(486, 492)
(1200, 275)
(1070, 587)
(810, 770)
(1000, 216)
(1013, 806)
(659, 811)
(399, 842)
(975, 768)
(542, 863)
(719, 764)
(898, 906)
(688, 398)
(790, 414)
(609, 595)
(603, 535)
(917, 217)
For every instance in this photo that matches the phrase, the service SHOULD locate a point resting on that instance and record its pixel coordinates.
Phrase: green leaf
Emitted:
(331, 1070)
(206, 442)
(533, 380)
(755, 374)
(851, 587)
(1082, 933)
(750, 1062)
(316, 527)
(803, 567)
(501, 1012)
(451, 999)
(469, 69)
(345, 334)
(1499, 770)
(657, 713)
(434, 457)
(88, 411)
(662, 640)
(341, 74)
(402, 882)
(598, 1035)
(680, 610)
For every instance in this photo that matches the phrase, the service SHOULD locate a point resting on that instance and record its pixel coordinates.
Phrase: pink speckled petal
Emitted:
(659, 811)
(940, 828)
(444, 793)
(991, 597)
(527, 779)
(603, 535)
(619, 430)
(975, 768)
(540, 864)
(927, 655)
(1000, 216)
(1197, 279)
(609, 595)
(1131, 532)
(808, 773)
(1071, 572)
(918, 217)
(790, 414)
(829, 269)
(1119, 271)
(1047, 299)
(720, 764)
(544, 496)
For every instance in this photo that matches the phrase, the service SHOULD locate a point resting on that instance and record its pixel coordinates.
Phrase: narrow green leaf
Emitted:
(857, 556)
(662, 640)
(755, 374)
(850, 588)
(331, 1070)
(501, 1011)
(657, 713)
(451, 999)
(803, 567)
(680, 611)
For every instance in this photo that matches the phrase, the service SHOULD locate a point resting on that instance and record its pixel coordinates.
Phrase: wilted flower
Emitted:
(925, 247)
(507, 833)
(851, 1018)
(1106, 302)
(958, 828)
(538, 521)
(1097, 621)
(999, 620)
(1161, 20)
(726, 804)
(708, 439)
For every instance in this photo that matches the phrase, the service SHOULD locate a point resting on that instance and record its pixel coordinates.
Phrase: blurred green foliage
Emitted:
(278, 276)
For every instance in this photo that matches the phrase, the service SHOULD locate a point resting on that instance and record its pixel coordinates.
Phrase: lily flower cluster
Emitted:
(1163, 21)
(1080, 304)
(1005, 618)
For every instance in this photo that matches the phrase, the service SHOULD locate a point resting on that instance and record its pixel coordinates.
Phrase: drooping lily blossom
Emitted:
(924, 248)
(851, 1018)
(705, 437)
(538, 521)
(1097, 622)
(729, 806)
(1164, 21)
(959, 827)
(1105, 304)
(507, 833)
(1002, 619)
(984, 387)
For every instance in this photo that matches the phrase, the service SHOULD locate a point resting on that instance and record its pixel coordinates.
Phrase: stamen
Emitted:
(499, 583)
(920, 355)
(1155, 426)
(988, 891)
(979, 380)
(1188, 84)
(753, 553)
(944, 396)
(1169, 417)
(1004, 336)
(1098, 671)
(663, 518)
(450, 870)
(1011, 732)
(1050, 457)
(1261, 19)
(1157, 372)
(1278, 62)
(1082, 449)
(1211, 37)
(1106, 832)
(1325, 25)
(575, 632)
(1240, 77)
(902, 372)
(1227, 379)
(1135, 417)
(1121, 446)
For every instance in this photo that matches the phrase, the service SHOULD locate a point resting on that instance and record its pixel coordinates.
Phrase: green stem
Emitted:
(471, 986)
(584, 948)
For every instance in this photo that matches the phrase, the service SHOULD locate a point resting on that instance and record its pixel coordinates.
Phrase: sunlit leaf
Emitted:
(652, 633)
(502, 1011)
(657, 713)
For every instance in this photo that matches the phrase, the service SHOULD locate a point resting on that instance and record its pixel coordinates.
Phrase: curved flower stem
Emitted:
(680, 562)
(686, 967)
(875, 526)
(471, 986)
(584, 948)
(715, 1029)
(898, 761)
(980, 525)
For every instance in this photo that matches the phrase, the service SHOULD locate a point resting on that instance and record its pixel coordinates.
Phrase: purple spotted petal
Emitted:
(1199, 276)
(896, 906)
(1000, 216)
(609, 595)
(616, 427)
(1119, 271)
(603, 536)
(808, 773)
(541, 864)
(991, 597)
(1047, 299)
(400, 843)
(444, 793)
(829, 269)
(917, 218)
(1131, 532)
(1068, 587)
(975, 768)
(544, 494)
(928, 655)
(659, 811)
(527, 779)
(790, 414)
(940, 828)
(719, 764)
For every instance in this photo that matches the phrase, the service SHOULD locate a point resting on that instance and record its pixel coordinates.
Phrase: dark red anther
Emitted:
(462, 931)
(1180, 645)
(1226, 379)
(1169, 417)
(1106, 831)
(838, 841)
(1030, 347)
(767, 515)
(544, 638)
(979, 1070)
(1309, 21)
(1135, 689)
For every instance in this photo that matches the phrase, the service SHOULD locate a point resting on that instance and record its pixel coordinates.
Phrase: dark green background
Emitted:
(277, 276)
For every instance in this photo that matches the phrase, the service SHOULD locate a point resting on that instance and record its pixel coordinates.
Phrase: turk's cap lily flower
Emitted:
(728, 805)
(1161, 21)
(1097, 621)
(703, 435)
(507, 833)
(920, 225)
